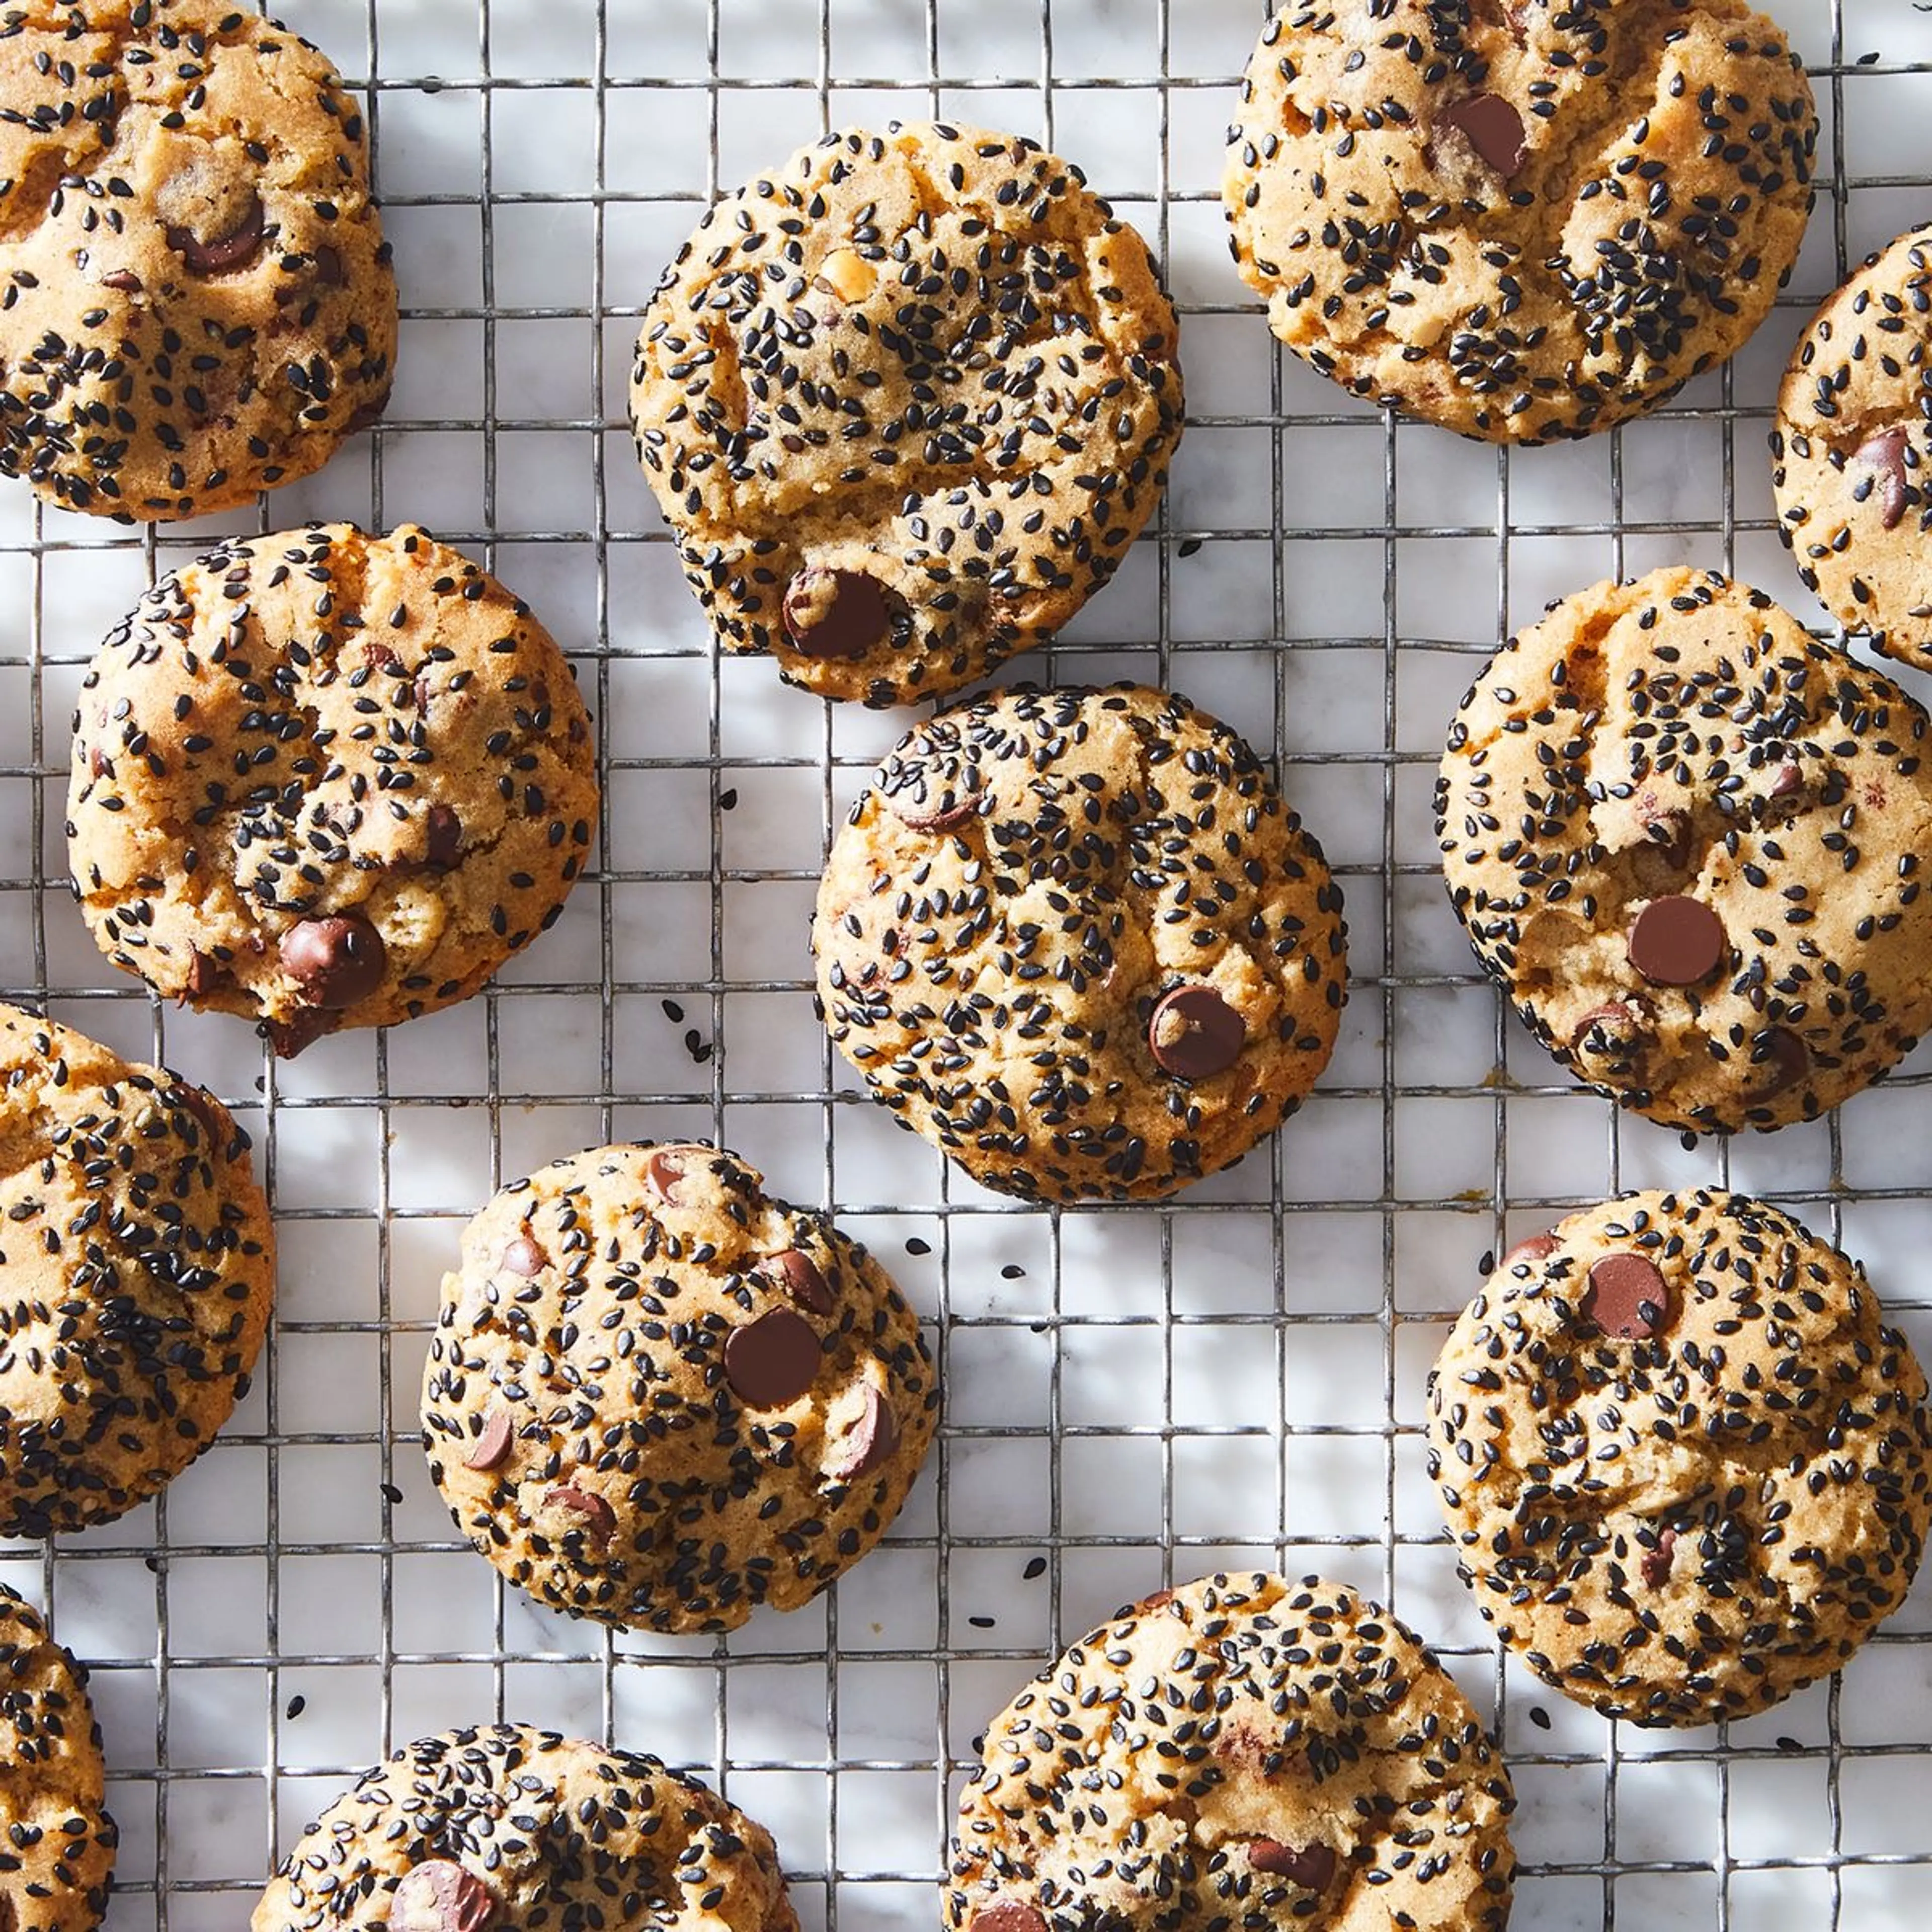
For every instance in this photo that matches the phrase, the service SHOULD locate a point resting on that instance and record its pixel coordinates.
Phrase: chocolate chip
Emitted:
(1495, 129)
(445, 837)
(492, 1445)
(1677, 941)
(203, 974)
(290, 1037)
(523, 1257)
(586, 1511)
(915, 807)
(772, 1360)
(666, 1169)
(125, 279)
(422, 692)
(1194, 1034)
(1885, 453)
(224, 252)
(336, 961)
(440, 1896)
(1788, 781)
(99, 764)
(1313, 1867)
(836, 613)
(1534, 1249)
(202, 1106)
(328, 269)
(1154, 1602)
(871, 1440)
(797, 1276)
(1627, 1297)
(1655, 1564)
(1779, 1060)
(1009, 1915)
(1616, 1022)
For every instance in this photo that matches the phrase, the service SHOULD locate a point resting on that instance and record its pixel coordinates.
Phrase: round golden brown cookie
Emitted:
(322, 779)
(1522, 219)
(137, 1269)
(1688, 1468)
(1686, 839)
(504, 1826)
(1075, 938)
(1269, 1755)
(1852, 454)
(199, 302)
(905, 403)
(57, 1852)
(657, 1396)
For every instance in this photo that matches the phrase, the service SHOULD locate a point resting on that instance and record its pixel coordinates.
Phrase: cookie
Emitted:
(138, 1265)
(1688, 1467)
(323, 779)
(1685, 838)
(1852, 452)
(775, 1403)
(1075, 938)
(57, 1853)
(1524, 220)
(1244, 1752)
(199, 302)
(507, 1826)
(905, 403)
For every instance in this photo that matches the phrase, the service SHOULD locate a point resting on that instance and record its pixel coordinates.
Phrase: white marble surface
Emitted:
(1133, 1395)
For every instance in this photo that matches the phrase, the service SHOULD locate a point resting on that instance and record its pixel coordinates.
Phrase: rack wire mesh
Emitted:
(1135, 1396)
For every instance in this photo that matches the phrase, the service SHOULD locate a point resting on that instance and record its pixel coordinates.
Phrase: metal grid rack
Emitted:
(1135, 1396)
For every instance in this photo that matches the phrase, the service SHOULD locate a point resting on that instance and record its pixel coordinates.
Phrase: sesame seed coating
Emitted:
(1010, 907)
(1852, 447)
(57, 1851)
(553, 1833)
(1682, 738)
(926, 363)
(1523, 220)
(1243, 1753)
(324, 779)
(137, 1267)
(657, 1396)
(196, 299)
(1692, 1518)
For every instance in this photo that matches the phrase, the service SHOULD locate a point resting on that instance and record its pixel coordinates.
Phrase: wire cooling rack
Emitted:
(1134, 1396)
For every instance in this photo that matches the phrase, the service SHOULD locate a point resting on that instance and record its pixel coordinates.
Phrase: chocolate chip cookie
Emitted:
(1522, 219)
(506, 1826)
(1075, 938)
(1244, 1752)
(57, 1853)
(1852, 452)
(1688, 1467)
(657, 1396)
(905, 403)
(323, 779)
(1686, 838)
(139, 1263)
(199, 303)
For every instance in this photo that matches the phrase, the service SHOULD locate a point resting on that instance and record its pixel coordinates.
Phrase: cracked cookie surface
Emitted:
(1523, 220)
(905, 402)
(1243, 1751)
(200, 302)
(138, 1262)
(657, 1396)
(1688, 1467)
(1686, 839)
(1852, 453)
(506, 1825)
(323, 779)
(1075, 938)
(57, 1854)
